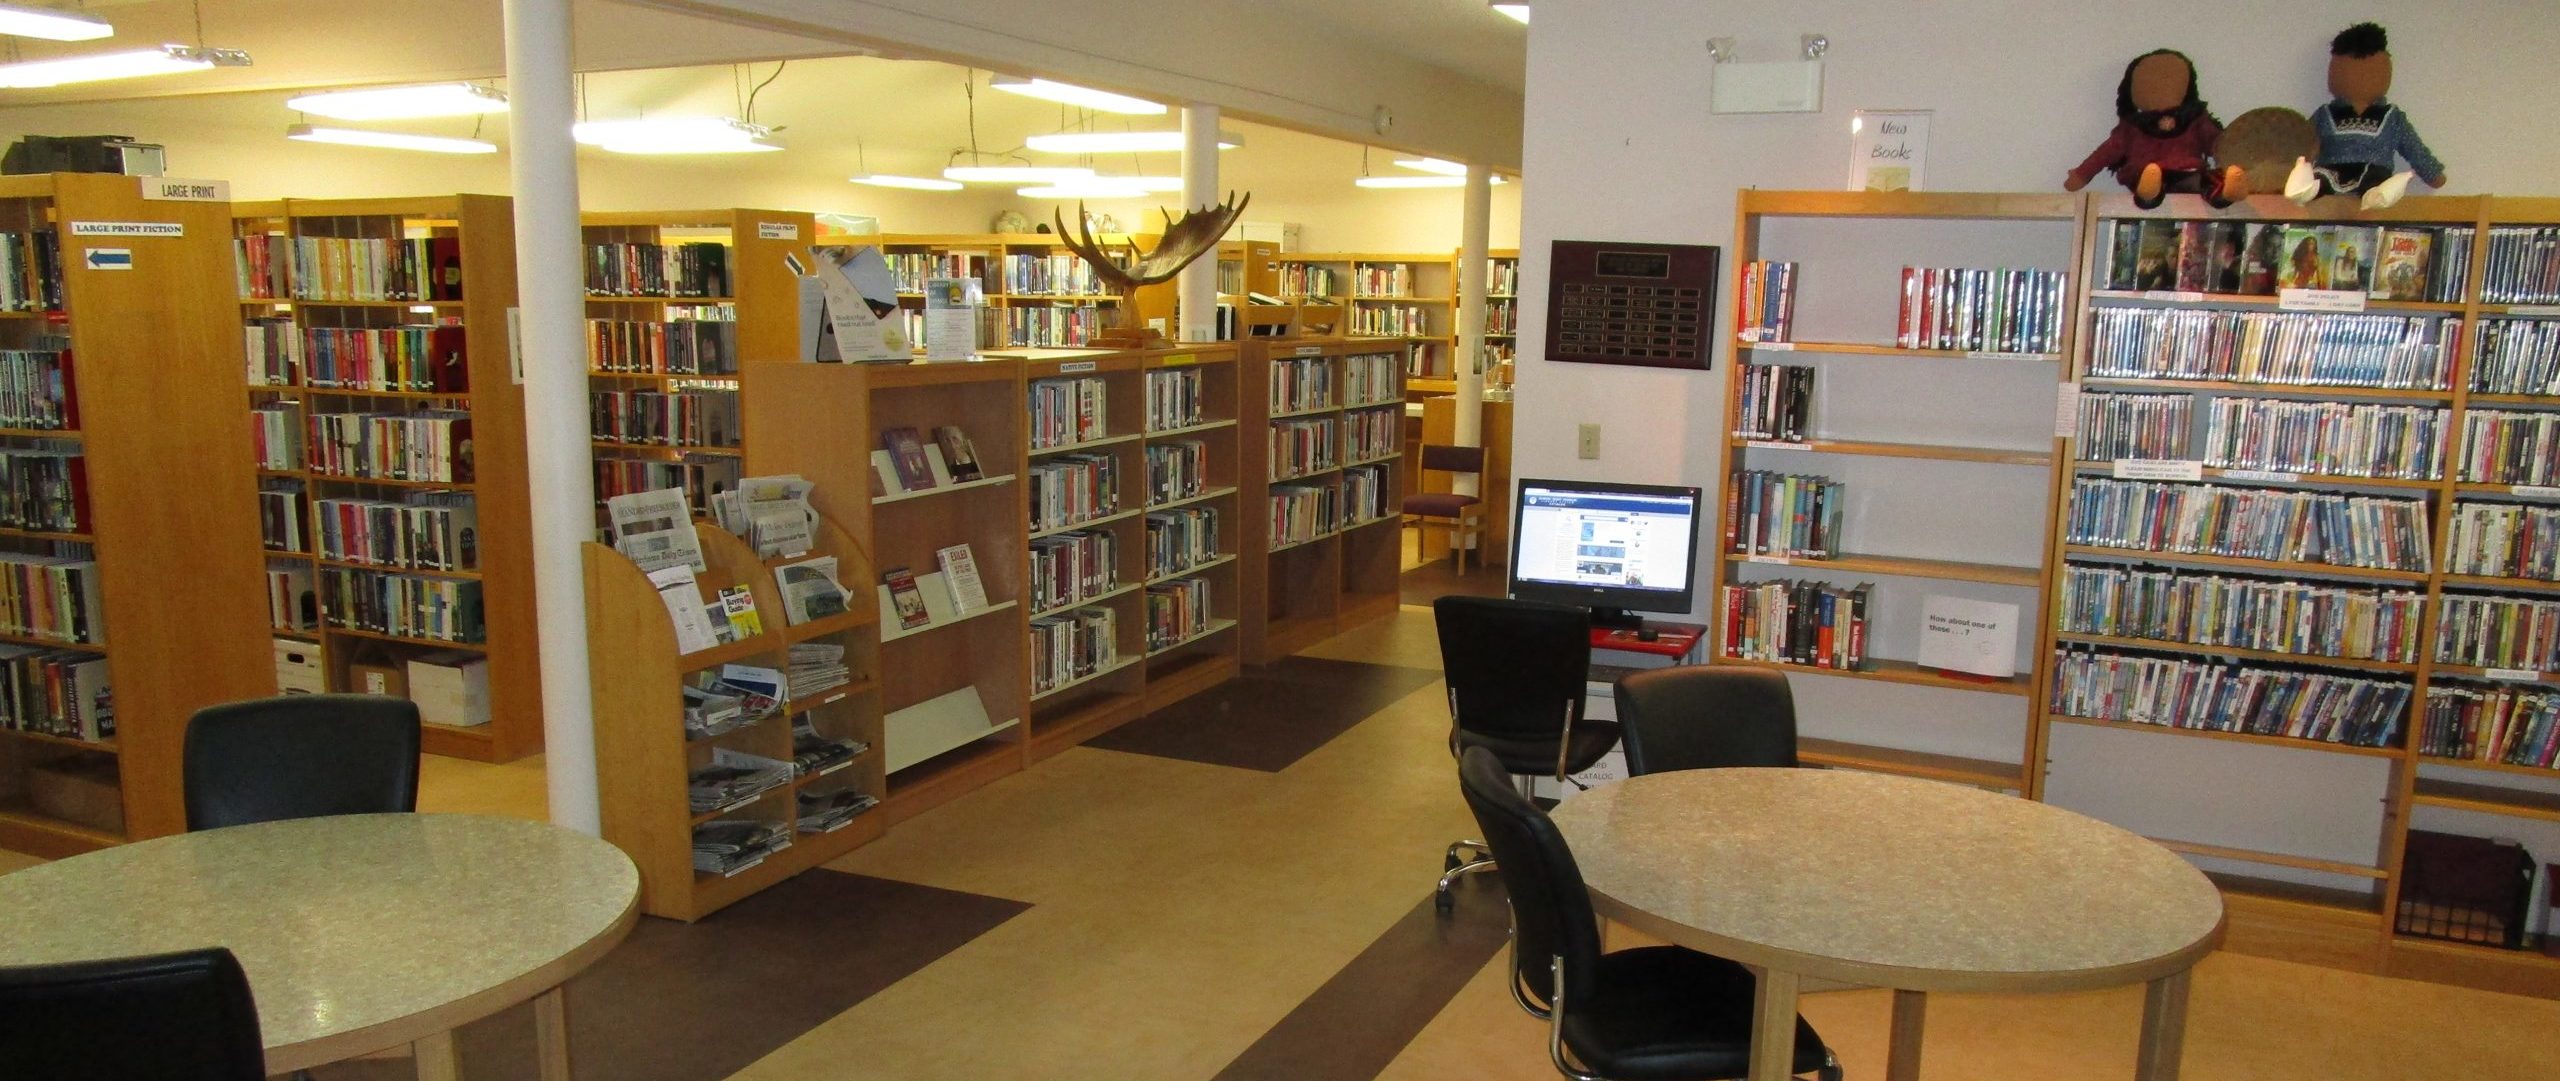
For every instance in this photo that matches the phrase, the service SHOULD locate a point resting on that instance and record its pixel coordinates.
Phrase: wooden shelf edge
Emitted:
(1842, 754)
(1890, 671)
(2294, 742)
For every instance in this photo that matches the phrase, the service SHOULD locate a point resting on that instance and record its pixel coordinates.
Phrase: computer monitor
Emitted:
(1617, 549)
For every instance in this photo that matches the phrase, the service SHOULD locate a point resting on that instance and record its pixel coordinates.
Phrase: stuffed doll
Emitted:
(2362, 134)
(2163, 138)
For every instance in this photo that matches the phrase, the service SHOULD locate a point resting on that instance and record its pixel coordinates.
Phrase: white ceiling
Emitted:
(1464, 36)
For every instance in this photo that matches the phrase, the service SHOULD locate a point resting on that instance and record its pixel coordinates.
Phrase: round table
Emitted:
(359, 933)
(1822, 878)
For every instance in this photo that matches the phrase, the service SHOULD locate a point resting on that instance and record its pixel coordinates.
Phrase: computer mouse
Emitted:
(1648, 635)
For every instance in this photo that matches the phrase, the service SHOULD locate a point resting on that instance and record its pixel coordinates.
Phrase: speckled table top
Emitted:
(343, 924)
(1784, 866)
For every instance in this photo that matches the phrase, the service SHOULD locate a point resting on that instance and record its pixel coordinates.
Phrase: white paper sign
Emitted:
(777, 230)
(2262, 475)
(2066, 411)
(1961, 635)
(2145, 469)
(1888, 150)
(167, 189)
(2535, 491)
(2514, 675)
(2320, 300)
(127, 228)
(2533, 309)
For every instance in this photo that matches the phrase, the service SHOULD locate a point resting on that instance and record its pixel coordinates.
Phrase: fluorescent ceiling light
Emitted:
(401, 102)
(133, 63)
(676, 135)
(1416, 181)
(389, 140)
(1119, 142)
(1519, 12)
(19, 20)
(912, 183)
(1100, 187)
(1017, 174)
(1070, 94)
(1434, 166)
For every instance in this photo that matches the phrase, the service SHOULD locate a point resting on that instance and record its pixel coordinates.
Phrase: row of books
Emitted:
(37, 389)
(293, 596)
(1798, 622)
(1370, 379)
(2409, 263)
(2524, 265)
(405, 605)
(2250, 523)
(1299, 384)
(2004, 309)
(2410, 352)
(1777, 402)
(419, 358)
(2504, 540)
(2511, 725)
(1072, 646)
(1382, 279)
(1303, 512)
(46, 491)
(1180, 539)
(56, 692)
(2219, 696)
(1176, 398)
(1303, 446)
(1049, 275)
(274, 348)
(691, 269)
(2148, 426)
(1066, 411)
(1371, 434)
(428, 445)
(2404, 442)
(1307, 280)
(2505, 447)
(1391, 320)
(35, 287)
(700, 476)
(272, 266)
(690, 418)
(53, 597)
(1072, 488)
(275, 434)
(1501, 317)
(2516, 356)
(913, 269)
(1177, 612)
(419, 531)
(680, 347)
(1176, 470)
(1074, 567)
(2498, 632)
(1783, 514)
(1502, 277)
(280, 516)
(1366, 496)
(1055, 326)
(2241, 613)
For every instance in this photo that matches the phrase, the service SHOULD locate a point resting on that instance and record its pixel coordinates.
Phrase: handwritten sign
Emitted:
(1888, 150)
(1962, 635)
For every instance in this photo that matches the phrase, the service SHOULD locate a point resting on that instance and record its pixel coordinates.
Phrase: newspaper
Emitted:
(656, 530)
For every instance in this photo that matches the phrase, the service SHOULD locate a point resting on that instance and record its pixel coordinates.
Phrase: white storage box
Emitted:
(298, 668)
(451, 688)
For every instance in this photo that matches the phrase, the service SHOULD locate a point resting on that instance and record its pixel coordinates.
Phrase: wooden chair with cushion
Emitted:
(1463, 514)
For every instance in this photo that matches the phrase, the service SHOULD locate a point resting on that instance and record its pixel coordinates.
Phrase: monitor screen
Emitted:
(1605, 545)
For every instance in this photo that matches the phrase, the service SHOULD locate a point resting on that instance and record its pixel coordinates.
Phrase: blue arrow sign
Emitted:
(109, 258)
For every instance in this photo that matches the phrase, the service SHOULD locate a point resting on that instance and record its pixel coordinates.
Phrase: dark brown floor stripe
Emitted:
(1357, 1023)
(1439, 578)
(699, 1003)
(1268, 718)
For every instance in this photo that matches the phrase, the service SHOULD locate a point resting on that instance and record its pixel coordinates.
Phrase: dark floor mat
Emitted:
(1268, 718)
(1438, 578)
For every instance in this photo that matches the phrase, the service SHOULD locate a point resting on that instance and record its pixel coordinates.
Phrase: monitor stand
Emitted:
(1616, 617)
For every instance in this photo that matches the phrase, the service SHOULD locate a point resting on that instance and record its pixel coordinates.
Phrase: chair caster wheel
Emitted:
(1443, 902)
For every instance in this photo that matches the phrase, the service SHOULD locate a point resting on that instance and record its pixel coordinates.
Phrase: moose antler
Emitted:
(1195, 234)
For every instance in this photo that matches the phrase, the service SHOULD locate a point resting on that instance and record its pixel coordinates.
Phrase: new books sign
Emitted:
(1888, 151)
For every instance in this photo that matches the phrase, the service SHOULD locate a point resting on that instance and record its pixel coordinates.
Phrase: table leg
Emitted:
(1773, 1027)
(2164, 1028)
(1910, 1013)
(551, 1033)
(436, 1059)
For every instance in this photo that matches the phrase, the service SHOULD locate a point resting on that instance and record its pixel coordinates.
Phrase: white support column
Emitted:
(1475, 229)
(1198, 284)
(551, 333)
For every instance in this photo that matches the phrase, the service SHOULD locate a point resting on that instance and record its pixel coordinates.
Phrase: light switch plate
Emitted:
(1587, 444)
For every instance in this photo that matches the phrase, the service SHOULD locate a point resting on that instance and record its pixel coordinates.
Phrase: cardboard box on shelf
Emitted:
(451, 688)
(298, 668)
(382, 679)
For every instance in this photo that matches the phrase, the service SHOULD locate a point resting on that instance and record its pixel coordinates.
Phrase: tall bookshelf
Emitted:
(1039, 308)
(154, 366)
(322, 306)
(1501, 306)
(1317, 432)
(1384, 295)
(1901, 428)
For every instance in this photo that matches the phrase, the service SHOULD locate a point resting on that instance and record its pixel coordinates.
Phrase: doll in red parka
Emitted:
(2163, 138)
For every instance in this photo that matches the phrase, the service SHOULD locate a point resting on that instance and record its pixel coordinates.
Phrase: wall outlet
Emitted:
(1587, 444)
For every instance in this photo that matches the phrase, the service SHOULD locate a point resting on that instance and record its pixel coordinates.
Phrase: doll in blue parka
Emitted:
(2363, 137)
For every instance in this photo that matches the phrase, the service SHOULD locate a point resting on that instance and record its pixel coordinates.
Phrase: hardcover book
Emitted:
(906, 455)
(958, 454)
(960, 575)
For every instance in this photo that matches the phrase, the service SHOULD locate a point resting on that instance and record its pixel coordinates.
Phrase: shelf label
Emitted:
(1074, 367)
(837, 826)
(2066, 410)
(128, 228)
(1308, 351)
(2533, 309)
(166, 189)
(833, 768)
(2535, 491)
(777, 230)
(833, 698)
(1774, 444)
(1981, 354)
(2182, 296)
(1779, 560)
(2145, 469)
(1779, 347)
(2514, 675)
(107, 258)
(2262, 475)
(1178, 360)
(2320, 300)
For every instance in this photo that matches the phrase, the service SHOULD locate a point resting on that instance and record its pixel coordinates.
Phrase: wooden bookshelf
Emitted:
(1300, 591)
(989, 257)
(162, 402)
(1836, 342)
(1501, 307)
(481, 230)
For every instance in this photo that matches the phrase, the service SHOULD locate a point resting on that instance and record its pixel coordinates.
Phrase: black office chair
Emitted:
(151, 1018)
(1517, 672)
(300, 756)
(1657, 1013)
(1701, 717)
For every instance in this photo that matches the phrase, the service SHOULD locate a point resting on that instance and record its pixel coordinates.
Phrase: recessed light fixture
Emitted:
(132, 63)
(401, 102)
(1119, 142)
(1416, 181)
(1071, 94)
(1434, 166)
(1518, 11)
(1016, 174)
(1099, 187)
(19, 20)
(677, 135)
(389, 140)
(911, 183)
